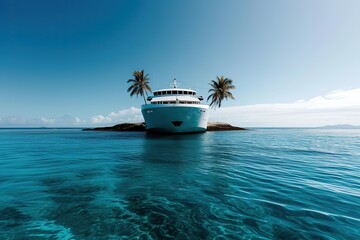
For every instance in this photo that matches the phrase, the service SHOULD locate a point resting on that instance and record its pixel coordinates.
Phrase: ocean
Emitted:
(255, 184)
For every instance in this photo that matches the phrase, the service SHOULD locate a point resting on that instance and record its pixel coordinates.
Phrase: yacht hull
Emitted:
(175, 118)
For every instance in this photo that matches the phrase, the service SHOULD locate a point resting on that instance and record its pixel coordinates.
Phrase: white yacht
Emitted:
(175, 110)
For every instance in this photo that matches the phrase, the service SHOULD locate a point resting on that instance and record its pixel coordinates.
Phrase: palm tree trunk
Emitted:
(144, 99)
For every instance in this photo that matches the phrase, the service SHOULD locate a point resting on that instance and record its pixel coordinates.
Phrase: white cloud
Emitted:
(47, 120)
(12, 121)
(79, 121)
(63, 121)
(126, 115)
(100, 119)
(337, 107)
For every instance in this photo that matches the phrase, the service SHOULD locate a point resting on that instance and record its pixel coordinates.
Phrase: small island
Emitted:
(140, 127)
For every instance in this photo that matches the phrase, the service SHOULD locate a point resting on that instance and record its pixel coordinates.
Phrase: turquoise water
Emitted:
(260, 184)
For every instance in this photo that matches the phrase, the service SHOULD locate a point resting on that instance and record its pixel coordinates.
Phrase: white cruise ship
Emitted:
(175, 110)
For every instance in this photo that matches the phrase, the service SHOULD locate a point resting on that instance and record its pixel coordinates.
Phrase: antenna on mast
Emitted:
(174, 84)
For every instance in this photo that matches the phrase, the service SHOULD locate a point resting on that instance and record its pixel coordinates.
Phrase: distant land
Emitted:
(340, 126)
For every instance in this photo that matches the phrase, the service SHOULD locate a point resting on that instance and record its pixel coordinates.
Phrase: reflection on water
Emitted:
(265, 184)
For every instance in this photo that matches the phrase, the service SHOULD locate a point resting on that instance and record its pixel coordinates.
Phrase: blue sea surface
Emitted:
(256, 184)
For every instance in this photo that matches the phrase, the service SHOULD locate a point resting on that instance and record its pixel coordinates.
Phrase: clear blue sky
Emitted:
(74, 57)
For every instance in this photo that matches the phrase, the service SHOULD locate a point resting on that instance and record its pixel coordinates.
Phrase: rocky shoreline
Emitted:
(220, 126)
(140, 127)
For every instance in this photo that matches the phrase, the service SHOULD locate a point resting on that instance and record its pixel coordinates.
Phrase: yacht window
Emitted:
(168, 92)
(180, 92)
(185, 92)
(173, 92)
(155, 93)
(193, 93)
(163, 92)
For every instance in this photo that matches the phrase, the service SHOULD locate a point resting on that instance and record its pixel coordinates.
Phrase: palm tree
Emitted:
(220, 90)
(139, 85)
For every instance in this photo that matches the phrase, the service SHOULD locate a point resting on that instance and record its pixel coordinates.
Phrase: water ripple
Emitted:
(261, 184)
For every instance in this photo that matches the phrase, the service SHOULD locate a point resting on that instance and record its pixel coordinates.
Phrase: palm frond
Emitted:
(139, 84)
(220, 90)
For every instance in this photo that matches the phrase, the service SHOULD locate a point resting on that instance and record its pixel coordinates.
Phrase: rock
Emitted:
(220, 126)
(140, 127)
(127, 127)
